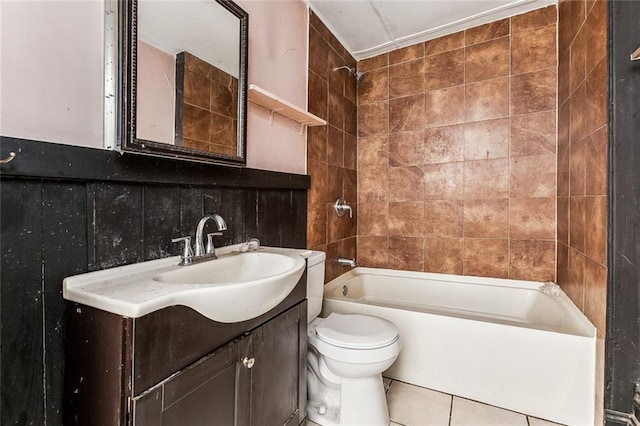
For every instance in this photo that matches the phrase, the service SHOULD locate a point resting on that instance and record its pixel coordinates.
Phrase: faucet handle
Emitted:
(252, 244)
(340, 206)
(187, 253)
(210, 248)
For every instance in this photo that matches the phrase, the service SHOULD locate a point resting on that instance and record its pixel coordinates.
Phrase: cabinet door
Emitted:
(205, 393)
(279, 350)
(259, 379)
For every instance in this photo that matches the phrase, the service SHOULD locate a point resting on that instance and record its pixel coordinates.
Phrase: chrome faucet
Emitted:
(200, 249)
(347, 262)
(201, 252)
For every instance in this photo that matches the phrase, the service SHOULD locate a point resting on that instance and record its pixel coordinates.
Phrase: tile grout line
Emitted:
(509, 153)
(464, 162)
(451, 403)
(450, 410)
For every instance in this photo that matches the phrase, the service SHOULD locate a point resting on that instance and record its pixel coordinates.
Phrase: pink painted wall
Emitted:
(278, 33)
(51, 77)
(157, 88)
(51, 71)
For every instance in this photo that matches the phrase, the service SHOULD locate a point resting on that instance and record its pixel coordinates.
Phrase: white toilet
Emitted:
(347, 354)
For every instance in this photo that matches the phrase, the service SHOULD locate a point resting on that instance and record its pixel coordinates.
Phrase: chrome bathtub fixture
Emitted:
(347, 262)
(341, 206)
(201, 252)
(352, 72)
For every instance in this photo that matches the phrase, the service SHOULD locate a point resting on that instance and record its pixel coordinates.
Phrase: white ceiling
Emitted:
(200, 27)
(368, 28)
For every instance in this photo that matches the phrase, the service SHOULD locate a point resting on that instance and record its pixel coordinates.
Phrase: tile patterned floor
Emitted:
(411, 405)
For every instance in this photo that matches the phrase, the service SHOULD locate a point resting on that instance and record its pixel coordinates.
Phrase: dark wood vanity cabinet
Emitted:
(278, 376)
(175, 367)
(211, 392)
(253, 380)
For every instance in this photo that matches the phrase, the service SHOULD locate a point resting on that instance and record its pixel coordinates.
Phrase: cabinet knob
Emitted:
(248, 362)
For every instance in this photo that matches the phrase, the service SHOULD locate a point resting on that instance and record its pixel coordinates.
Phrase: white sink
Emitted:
(232, 270)
(235, 287)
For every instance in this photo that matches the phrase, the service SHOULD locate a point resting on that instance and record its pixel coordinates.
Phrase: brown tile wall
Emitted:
(331, 149)
(582, 166)
(209, 100)
(457, 152)
(582, 156)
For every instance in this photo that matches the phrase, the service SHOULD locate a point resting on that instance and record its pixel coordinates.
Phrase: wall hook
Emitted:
(9, 159)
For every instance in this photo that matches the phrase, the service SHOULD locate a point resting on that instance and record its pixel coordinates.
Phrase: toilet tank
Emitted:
(315, 284)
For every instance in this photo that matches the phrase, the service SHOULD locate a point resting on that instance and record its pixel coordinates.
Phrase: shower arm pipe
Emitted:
(352, 72)
(345, 67)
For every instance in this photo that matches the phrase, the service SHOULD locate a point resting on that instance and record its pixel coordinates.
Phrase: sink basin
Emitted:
(235, 287)
(232, 270)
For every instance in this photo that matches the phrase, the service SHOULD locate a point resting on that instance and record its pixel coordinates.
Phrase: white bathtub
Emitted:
(502, 342)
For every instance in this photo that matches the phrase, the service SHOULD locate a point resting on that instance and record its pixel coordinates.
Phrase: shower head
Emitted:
(352, 72)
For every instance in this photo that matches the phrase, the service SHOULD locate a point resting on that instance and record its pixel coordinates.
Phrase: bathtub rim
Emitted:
(586, 328)
(472, 279)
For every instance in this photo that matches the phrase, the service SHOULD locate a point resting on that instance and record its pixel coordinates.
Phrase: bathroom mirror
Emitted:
(182, 76)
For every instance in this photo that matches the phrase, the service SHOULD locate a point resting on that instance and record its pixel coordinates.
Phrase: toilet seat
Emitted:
(355, 356)
(356, 331)
(377, 351)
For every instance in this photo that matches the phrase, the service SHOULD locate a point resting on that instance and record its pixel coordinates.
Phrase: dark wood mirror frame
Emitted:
(127, 91)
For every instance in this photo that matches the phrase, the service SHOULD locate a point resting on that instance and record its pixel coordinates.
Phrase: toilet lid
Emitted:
(357, 331)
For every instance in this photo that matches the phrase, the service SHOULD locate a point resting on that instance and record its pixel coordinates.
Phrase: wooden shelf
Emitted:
(277, 105)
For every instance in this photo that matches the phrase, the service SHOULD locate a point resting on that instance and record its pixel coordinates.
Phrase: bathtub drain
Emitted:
(345, 290)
